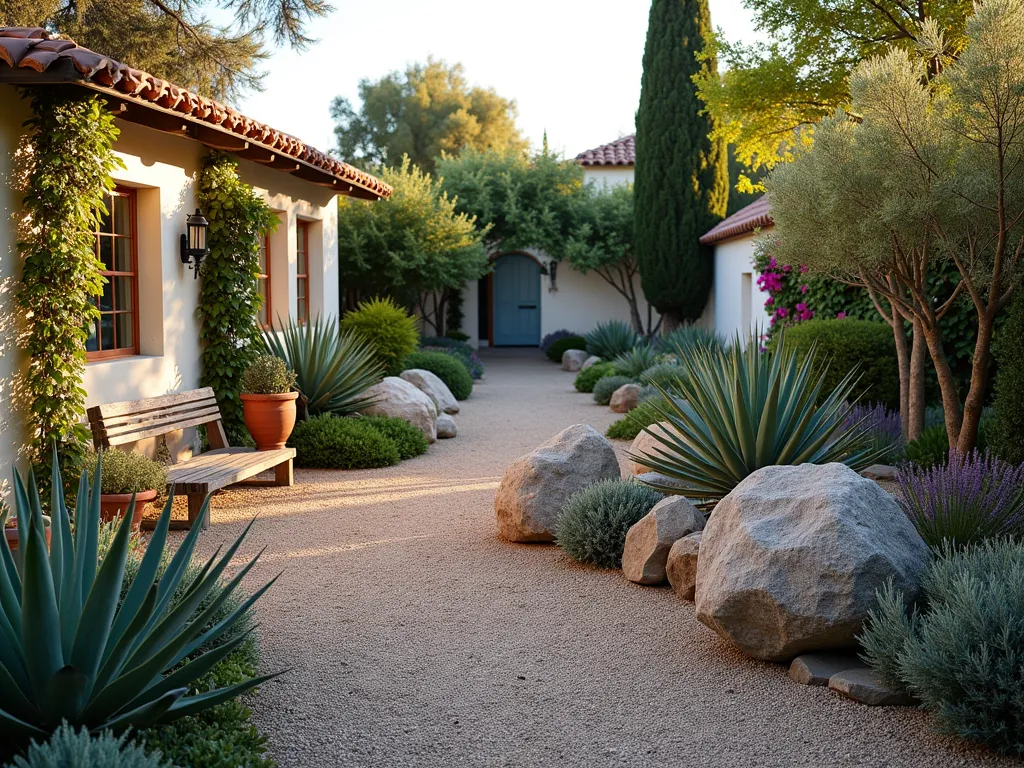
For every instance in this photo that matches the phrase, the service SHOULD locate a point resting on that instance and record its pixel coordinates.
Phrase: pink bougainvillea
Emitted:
(785, 292)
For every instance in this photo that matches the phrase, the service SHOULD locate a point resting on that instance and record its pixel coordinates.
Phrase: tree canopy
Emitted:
(414, 246)
(682, 175)
(772, 93)
(178, 41)
(428, 110)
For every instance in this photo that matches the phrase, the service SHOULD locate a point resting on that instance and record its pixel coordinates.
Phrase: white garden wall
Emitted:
(738, 304)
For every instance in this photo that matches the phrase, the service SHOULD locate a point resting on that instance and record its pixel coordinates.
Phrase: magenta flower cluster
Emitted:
(784, 286)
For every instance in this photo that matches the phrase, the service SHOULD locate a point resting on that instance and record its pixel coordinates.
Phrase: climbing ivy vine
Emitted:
(68, 160)
(229, 300)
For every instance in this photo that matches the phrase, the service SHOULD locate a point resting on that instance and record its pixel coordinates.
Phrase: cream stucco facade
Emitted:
(161, 169)
(737, 302)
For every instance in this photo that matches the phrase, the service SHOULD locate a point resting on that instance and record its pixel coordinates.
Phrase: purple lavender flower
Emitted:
(881, 427)
(554, 336)
(974, 497)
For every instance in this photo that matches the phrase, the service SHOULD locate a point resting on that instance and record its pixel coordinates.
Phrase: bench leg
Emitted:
(283, 474)
(195, 506)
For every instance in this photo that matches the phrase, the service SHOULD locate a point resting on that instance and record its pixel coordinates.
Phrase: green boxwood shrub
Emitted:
(593, 526)
(1007, 438)
(585, 380)
(334, 442)
(559, 348)
(633, 423)
(447, 368)
(68, 748)
(387, 328)
(409, 440)
(959, 650)
(606, 386)
(846, 343)
(930, 449)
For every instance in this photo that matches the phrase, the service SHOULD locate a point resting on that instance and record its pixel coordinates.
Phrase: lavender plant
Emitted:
(554, 336)
(881, 427)
(972, 498)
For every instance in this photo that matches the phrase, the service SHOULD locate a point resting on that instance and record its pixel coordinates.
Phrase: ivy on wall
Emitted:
(68, 164)
(229, 300)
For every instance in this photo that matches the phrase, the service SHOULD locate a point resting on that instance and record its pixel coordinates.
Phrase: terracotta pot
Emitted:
(12, 534)
(114, 505)
(269, 418)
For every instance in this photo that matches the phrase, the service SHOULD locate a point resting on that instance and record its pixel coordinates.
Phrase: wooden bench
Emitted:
(120, 423)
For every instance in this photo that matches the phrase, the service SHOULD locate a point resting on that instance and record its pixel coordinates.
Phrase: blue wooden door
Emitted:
(516, 302)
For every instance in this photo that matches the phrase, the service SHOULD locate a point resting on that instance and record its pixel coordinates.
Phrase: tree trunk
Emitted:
(670, 320)
(967, 440)
(916, 404)
(903, 362)
(947, 384)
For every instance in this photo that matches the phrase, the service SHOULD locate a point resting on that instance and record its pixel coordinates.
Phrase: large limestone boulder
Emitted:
(536, 486)
(645, 443)
(625, 398)
(791, 559)
(649, 540)
(397, 397)
(431, 385)
(681, 565)
(573, 359)
(592, 360)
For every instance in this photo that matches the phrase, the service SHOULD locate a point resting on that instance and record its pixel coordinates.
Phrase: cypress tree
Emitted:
(682, 175)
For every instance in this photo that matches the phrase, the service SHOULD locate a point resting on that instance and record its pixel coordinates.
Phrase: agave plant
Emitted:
(635, 361)
(686, 338)
(739, 410)
(333, 368)
(609, 340)
(71, 649)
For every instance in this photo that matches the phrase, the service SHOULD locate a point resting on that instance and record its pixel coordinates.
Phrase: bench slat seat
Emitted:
(116, 424)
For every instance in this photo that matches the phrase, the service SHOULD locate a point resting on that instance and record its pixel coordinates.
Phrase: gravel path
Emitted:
(414, 637)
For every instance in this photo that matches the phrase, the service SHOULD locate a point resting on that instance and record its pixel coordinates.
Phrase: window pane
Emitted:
(107, 297)
(125, 330)
(106, 331)
(301, 269)
(123, 254)
(93, 342)
(300, 236)
(302, 310)
(122, 215)
(107, 218)
(123, 290)
(300, 288)
(263, 256)
(107, 253)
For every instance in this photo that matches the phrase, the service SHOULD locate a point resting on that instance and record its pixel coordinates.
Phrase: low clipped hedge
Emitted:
(633, 423)
(606, 386)
(334, 442)
(448, 369)
(560, 347)
(585, 380)
(593, 525)
(409, 440)
(847, 343)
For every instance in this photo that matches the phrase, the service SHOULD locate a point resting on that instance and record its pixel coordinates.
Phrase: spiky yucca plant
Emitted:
(610, 339)
(72, 650)
(738, 410)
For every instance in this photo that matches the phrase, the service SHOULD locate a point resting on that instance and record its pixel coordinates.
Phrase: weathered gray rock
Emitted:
(645, 443)
(625, 398)
(573, 359)
(863, 685)
(536, 486)
(648, 542)
(818, 668)
(879, 472)
(681, 565)
(446, 427)
(431, 385)
(658, 479)
(592, 360)
(397, 397)
(791, 559)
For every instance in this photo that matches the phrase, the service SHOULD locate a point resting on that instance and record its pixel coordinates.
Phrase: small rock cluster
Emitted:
(419, 397)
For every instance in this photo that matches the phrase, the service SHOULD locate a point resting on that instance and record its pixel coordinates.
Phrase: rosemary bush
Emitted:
(267, 375)
(606, 386)
(128, 472)
(593, 526)
(70, 748)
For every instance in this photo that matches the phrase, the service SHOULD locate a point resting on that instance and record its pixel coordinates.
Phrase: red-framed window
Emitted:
(116, 333)
(302, 271)
(266, 315)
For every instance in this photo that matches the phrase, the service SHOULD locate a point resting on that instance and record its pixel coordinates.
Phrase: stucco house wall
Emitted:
(738, 302)
(609, 175)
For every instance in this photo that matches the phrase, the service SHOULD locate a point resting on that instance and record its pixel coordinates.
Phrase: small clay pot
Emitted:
(12, 534)
(269, 418)
(114, 505)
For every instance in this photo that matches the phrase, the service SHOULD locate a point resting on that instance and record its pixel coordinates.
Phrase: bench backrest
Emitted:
(119, 423)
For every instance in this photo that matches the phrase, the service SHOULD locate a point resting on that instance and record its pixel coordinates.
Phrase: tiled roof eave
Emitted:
(742, 228)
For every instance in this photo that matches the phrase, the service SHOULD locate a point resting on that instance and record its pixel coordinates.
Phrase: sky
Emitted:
(572, 66)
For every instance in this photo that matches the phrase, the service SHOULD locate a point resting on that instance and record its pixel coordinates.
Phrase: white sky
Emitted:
(573, 66)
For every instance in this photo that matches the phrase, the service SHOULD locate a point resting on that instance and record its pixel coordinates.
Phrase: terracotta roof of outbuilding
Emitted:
(30, 55)
(754, 216)
(619, 152)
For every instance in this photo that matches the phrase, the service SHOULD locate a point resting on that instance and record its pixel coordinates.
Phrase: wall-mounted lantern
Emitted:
(193, 243)
(553, 270)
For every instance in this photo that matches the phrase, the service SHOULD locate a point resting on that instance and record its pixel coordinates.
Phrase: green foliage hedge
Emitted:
(846, 343)
(449, 369)
(1008, 427)
(593, 526)
(606, 386)
(409, 440)
(560, 347)
(585, 380)
(633, 423)
(333, 442)
(959, 651)
(389, 330)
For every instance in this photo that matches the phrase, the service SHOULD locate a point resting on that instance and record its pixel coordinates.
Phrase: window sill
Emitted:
(126, 360)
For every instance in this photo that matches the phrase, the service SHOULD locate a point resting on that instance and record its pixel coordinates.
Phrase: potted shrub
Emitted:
(126, 473)
(268, 404)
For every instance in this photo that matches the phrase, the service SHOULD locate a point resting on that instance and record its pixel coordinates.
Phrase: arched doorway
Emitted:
(516, 280)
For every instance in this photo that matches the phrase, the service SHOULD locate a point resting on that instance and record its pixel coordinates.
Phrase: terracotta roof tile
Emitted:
(754, 216)
(619, 152)
(36, 50)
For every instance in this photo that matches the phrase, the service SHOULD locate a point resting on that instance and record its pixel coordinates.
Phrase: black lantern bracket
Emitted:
(193, 242)
(553, 271)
